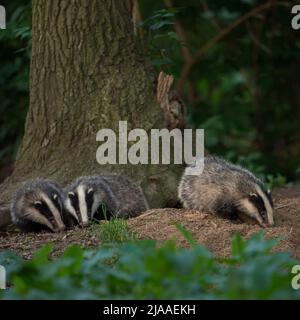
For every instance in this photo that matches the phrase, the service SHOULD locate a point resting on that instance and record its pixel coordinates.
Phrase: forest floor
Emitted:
(159, 224)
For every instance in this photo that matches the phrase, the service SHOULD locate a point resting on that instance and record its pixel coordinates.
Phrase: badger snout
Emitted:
(271, 224)
(59, 229)
(266, 221)
(84, 224)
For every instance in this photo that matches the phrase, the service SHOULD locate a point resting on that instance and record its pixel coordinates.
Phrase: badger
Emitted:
(227, 190)
(39, 205)
(102, 197)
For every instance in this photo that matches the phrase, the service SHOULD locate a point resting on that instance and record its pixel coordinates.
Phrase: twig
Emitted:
(201, 52)
(214, 225)
(213, 20)
(186, 53)
(257, 41)
(284, 206)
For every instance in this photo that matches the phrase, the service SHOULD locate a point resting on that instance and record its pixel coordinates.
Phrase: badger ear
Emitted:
(268, 191)
(72, 194)
(91, 190)
(55, 196)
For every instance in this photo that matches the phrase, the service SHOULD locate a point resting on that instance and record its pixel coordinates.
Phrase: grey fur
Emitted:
(119, 196)
(225, 189)
(26, 211)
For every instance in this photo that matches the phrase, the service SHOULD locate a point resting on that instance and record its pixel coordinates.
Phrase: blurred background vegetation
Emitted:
(236, 65)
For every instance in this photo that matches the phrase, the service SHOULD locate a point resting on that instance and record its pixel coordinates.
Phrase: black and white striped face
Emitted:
(47, 210)
(259, 206)
(81, 205)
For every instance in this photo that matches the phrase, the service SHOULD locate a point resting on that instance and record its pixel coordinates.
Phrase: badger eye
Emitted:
(38, 204)
(90, 191)
(71, 195)
(55, 198)
(253, 195)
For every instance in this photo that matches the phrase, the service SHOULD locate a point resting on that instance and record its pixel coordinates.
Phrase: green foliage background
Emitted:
(14, 76)
(244, 91)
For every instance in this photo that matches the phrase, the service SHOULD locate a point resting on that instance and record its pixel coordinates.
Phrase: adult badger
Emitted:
(227, 190)
(104, 196)
(39, 205)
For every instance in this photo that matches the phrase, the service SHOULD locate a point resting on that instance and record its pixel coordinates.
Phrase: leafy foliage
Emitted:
(14, 76)
(143, 270)
(161, 40)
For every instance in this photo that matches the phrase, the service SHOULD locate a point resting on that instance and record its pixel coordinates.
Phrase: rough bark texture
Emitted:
(86, 74)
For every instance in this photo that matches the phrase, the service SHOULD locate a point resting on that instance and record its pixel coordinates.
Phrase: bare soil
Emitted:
(213, 232)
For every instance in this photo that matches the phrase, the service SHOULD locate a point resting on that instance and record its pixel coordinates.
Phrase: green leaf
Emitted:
(186, 234)
(160, 24)
(42, 255)
(238, 246)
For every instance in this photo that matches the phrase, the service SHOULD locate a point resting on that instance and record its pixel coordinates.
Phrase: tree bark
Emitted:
(87, 73)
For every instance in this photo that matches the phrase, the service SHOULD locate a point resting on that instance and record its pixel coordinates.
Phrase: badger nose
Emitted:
(85, 224)
(271, 224)
(263, 224)
(60, 229)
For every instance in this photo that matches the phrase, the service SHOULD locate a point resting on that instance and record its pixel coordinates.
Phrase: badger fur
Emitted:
(227, 190)
(39, 205)
(103, 196)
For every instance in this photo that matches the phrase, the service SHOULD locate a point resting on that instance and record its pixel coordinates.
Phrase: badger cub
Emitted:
(39, 205)
(98, 197)
(228, 190)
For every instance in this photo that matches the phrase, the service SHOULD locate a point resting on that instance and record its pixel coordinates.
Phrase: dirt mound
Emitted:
(25, 245)
(213, 232)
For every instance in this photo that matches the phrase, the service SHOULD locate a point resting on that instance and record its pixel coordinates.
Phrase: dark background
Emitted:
(244, 90)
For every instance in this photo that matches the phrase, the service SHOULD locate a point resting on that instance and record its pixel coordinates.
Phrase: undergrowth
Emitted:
(140, 269)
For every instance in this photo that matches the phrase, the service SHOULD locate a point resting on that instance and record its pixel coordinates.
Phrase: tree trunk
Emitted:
(87, 73)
